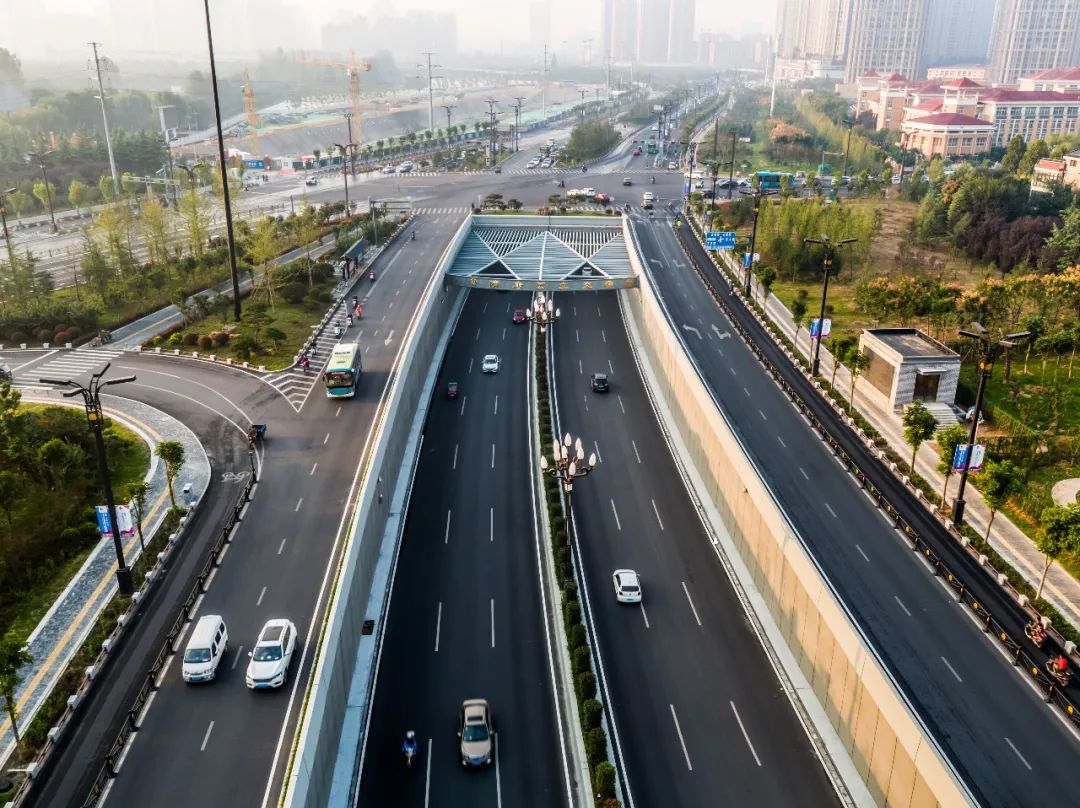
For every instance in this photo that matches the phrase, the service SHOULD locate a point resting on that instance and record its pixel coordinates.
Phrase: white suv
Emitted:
(269, 665)
(490, 364)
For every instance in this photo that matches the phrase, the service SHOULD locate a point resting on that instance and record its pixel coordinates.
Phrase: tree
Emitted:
(1059, 532)
(20, 202)
(155, 232)
(263, 247)
(193, 210)
(798, 312)
(1014, 154)
(172, 454)
(107, 188)
(78, 194)
(839, 348)
(45, 194)
(919, 425)
(947, 440)
(1035, 152)
(136, 495)
(61, 462)
(857, 362)
(13, 656)
(1000, 480)
(13, 487)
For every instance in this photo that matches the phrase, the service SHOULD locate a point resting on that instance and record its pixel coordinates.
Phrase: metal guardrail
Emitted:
(1054, 694)
(58, 733)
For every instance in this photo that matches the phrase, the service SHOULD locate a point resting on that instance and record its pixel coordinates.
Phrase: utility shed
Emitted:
(907, 364)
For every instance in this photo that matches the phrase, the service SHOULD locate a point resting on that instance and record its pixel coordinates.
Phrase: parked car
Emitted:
(476, 732)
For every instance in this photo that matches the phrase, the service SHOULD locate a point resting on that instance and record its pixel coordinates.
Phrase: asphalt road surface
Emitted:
(1007, 745)
(465, 619)
(700, 714)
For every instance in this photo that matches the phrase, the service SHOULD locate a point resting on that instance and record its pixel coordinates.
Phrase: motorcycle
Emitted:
(652, 180)
(584, 169)
(1035, 633)
(413, 235)
(371, 275)
(410, 753)
(1062, 677)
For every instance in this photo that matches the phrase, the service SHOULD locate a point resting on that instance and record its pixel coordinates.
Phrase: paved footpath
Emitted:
(66, 625)
(1061, 589)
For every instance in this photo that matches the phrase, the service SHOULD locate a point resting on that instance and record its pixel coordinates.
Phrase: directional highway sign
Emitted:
(720, 240)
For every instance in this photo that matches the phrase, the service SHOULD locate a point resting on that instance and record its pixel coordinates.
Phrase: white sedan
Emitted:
(489, 364)
(627, 586)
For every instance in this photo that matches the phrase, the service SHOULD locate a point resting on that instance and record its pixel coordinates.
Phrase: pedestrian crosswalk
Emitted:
(67, 365)
(460, 211)
(296, 384)
(532, 172)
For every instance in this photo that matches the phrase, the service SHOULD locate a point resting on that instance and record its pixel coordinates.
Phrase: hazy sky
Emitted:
(52, 27)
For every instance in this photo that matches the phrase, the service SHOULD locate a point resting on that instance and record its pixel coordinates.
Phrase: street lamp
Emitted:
(7, 235)
(830, 247)
(566, 465)
(92, 400)
(542, 311)
(346, 150)
(352, 162)
(758, 194)
(40, 157)
(989, 350)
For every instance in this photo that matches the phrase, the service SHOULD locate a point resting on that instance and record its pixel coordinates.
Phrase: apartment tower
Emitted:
(1033, 35)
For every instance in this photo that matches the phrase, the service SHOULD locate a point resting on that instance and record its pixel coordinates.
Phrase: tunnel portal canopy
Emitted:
(553, 253)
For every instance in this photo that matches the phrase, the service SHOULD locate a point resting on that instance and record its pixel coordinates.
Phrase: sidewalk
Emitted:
(1011, 542)
(66, 625)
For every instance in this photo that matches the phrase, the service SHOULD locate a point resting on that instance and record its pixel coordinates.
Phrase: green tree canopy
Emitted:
(919, 425)
(1059, 532)
(1000, 480)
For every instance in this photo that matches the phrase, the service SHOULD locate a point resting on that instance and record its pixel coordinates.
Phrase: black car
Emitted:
(599, 382)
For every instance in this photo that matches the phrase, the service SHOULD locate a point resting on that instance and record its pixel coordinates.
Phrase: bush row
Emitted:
(590, 710)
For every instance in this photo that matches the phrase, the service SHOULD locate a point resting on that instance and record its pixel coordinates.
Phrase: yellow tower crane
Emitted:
(252, 115)
(353, 69)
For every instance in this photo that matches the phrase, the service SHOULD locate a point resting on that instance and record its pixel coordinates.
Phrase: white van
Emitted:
(205, 648)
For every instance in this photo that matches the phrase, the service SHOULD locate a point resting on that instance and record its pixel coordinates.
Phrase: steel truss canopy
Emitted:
(542, 253)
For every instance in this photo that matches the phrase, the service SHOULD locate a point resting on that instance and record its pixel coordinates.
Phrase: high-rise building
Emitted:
(624, 27)
(652, 31)
(606, 21)
(1033, 35)
(887, 36)
(680, 46)
(812, 28)
(539, 24)
(958, 32)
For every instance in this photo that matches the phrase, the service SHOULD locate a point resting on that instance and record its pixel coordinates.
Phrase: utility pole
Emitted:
(40, 157)
(607, 76)
(448, 109)
(430, 92)
(229, 235)
(7, 235)
(517, 126)
(491, 102)
(716, 159)
(583, 93)
(352, 161)
(105, 119)
(520, 102)
(346, 150)
(731, 174)
(544, 83)
(168, 151)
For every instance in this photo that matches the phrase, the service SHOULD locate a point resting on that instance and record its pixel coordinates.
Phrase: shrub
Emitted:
(591, 713)
(74, 332)
(581, 660)
(604, 780)
(562, 562)
(18, 336)
(317, 297)
(585, 686)
(596, 745)
(176, 340)
(206, 343)
(572, 612)
(191, 340)
(576, 637)
(561, 538)
(60, 327)
(221, 338)
(570, 591)
(293, 292)
(158, 341)
(43, 334)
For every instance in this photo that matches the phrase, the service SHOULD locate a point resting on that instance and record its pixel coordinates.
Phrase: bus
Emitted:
(771, 180)
(652, 144)
(342, 371)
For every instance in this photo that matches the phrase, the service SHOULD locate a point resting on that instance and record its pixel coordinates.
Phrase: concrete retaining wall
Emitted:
(899, 764)
(310, 777)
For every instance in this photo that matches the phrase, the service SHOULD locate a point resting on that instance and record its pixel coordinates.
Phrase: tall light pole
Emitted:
(520, 103)
(583, 93)
(849, 123)
(229, 235)
(758, 194)
(568, 463)
(7, 235)
(542, 312)
(544, 83)
(105, 120)
(40, 158)
(352, 162)
(449, 108)
(988, 353)
(430, 92)
(92, 400)
(830, 247)
(346, 150)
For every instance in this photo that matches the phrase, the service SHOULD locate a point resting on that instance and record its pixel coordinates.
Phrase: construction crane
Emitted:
(353, 69)
(252, 115)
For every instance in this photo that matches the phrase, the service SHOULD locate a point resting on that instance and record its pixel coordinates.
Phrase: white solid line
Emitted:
(312, 473)
(744, 734)
(454, 466)
(1017, 751)
(427, 780)
(781, 441)
(324, 440)
(902, 606)
(446, 539)
(438, 627)
(261, 596)
(618, 524)
(656, 511)
(298, 504)
(830, 510)
(493, 455)
(496, 405)
(282, 547)
(691, 602)
(804, 474)
(682, 743)
(638, 456)
(493, 622)
(498, 781)
(952, 670)
(236, 658)
(206, 738)
(644, 616)
(864, 555)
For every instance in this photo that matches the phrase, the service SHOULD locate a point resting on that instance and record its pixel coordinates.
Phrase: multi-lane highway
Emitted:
(1006, 744)
(700, 716)
(465, 618)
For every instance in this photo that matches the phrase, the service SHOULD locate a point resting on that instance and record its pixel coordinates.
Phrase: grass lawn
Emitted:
(128, 467)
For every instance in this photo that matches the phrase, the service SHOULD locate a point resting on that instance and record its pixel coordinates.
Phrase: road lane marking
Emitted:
(312, 472)
(644, 616)
(596, 446)
(493, 622)
(491, 524)
(298, 504)
(324, 440)
(236, 658)
(691, 602)
(745, 735)
(493, 455)
(617, 523)
(682, 741)
(952, 670)
(621, 407)
(210, 729)
(656, 511)
(781, 441)
(902, 606)
(603, 336)
(732, 369)
(261, 596)
(504, 333)
(804, 474)
(387, 341)
(463, 400)
(336, 414)
(638, 456)
(1017, 751)
(470, 368)
(864, 555)
(496, 405)
(764, 417)
(446, 538)
(579, 370)
(611, 370)
(477, 335)
(828, 507)
(282, 546)
(438, 627)
(427, 780)
(577, 336)
(498, 780)
(453, 466)
(747, 393)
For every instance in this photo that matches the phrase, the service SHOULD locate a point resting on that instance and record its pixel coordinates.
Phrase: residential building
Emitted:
(979, 73)
(624, 27)
(958, 31)
(814, 29)
(539, 25)
(1072, 169)
(652, 31)
(1058, 79)
(680, 46)
(794, 69)
(1046, 174)
(1032, 114)
(1033, 35)
(947, 134)
(886, 36)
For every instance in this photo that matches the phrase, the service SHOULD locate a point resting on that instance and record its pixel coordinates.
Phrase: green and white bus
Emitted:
(343, 371)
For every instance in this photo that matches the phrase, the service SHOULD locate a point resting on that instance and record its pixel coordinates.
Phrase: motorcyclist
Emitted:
(652, 180)
(409, 747)
(371, 275)
(1036, 632)
(414, 235)
(305, 363)
(1059, 665)
(348, 321)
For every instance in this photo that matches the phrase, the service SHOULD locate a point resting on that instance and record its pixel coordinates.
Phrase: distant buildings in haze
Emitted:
(649, 31)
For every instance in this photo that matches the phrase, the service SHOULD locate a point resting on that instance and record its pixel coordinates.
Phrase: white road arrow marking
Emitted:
(721, 334)
(692, 328)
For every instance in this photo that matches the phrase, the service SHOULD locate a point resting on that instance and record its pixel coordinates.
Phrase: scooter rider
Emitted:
(409, 747)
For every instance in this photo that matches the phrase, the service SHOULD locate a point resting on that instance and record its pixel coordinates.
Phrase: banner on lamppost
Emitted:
(978, 458)
(123, 516)
(816, 329)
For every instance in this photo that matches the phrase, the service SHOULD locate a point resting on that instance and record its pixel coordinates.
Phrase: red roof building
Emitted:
(1060, 79)
(947, 134)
